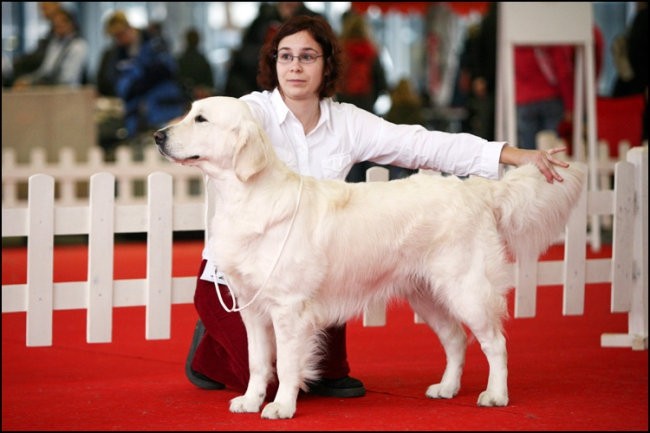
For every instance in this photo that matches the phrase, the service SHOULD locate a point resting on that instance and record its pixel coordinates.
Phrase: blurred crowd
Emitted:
(147, 85)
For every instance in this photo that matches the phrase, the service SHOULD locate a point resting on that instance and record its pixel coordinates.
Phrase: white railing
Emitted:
(131, 171)
(162, 215)
(71, 176)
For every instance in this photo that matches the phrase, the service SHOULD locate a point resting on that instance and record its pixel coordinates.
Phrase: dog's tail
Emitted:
(533, 212)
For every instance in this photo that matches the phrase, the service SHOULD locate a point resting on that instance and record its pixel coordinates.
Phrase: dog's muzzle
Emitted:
(160, 137)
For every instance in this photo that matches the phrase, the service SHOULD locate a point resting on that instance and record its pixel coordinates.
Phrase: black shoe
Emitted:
(344, 387)
(198, 379)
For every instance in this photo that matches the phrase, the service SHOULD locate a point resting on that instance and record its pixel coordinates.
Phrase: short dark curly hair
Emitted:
(321, 31)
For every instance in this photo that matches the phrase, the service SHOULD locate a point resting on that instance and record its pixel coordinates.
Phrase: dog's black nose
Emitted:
(159, 137)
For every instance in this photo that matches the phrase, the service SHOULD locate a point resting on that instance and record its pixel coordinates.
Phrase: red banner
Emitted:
(461, 8)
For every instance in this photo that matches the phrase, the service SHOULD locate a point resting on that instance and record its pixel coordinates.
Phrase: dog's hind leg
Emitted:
(493, 345)
(260, 359)
(487, 330)
(453, 339)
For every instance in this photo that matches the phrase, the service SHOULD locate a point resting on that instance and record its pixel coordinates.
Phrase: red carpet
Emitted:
(559, 376)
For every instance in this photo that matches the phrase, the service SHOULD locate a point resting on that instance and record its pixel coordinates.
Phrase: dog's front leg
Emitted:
(294, 347)
(260, 362)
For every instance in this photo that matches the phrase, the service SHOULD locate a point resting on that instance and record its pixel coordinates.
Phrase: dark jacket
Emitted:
(147, 83)
(194, 70)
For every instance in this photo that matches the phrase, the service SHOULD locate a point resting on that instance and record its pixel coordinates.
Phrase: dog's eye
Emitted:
(200, 119)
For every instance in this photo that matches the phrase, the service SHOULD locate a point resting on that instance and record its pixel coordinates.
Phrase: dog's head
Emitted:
(218, 134)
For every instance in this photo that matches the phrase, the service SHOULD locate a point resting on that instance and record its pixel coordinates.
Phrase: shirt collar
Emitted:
(282, 111)
(280, 108)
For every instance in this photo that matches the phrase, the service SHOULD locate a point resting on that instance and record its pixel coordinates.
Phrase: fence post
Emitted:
(526, 286)
(375, 314)
(575, 255)
(40, 260)
(623, 237)
(159, 256)
(637, 335)
(99, 322)
(638, 317)
(67, 185)
(9, 187)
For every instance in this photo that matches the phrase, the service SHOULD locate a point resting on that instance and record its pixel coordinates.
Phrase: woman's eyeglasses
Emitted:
(305, 58)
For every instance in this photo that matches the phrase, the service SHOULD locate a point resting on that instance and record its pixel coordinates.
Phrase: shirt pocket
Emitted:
(337, 166)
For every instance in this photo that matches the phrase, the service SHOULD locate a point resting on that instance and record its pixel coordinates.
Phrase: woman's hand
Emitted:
(543, 160)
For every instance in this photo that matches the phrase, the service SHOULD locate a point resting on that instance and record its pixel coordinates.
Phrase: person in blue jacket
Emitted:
(140, 70)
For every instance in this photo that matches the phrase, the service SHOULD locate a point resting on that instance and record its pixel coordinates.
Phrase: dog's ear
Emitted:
(251, 151)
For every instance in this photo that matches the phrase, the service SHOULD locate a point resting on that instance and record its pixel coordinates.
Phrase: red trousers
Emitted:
(222, 353)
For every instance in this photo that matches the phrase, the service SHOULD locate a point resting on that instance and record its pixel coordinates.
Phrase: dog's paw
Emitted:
(440, 390)
(242, 404)
(491, 399)
(276, 410)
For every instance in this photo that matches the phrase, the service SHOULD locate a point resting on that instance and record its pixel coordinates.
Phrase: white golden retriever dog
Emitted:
(306, 254)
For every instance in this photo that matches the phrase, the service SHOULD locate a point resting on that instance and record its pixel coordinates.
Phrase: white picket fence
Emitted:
(71, 175)
(163, 213)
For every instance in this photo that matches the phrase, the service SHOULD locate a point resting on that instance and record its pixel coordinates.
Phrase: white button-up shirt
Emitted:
(346, 134)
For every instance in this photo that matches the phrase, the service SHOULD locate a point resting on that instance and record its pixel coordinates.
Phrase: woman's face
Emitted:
(299, 66)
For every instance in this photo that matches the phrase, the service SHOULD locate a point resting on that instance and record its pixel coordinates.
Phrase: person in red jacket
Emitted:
(544, 89)
(544, 77)
(364, 76)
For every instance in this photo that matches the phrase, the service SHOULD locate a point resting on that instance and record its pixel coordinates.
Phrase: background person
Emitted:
(140, 70)
(66, 55)
(631, 59)
(543, 90)
(364, 76)
(29, 62)
(194, 70)
(630, 52)
(406, 109)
